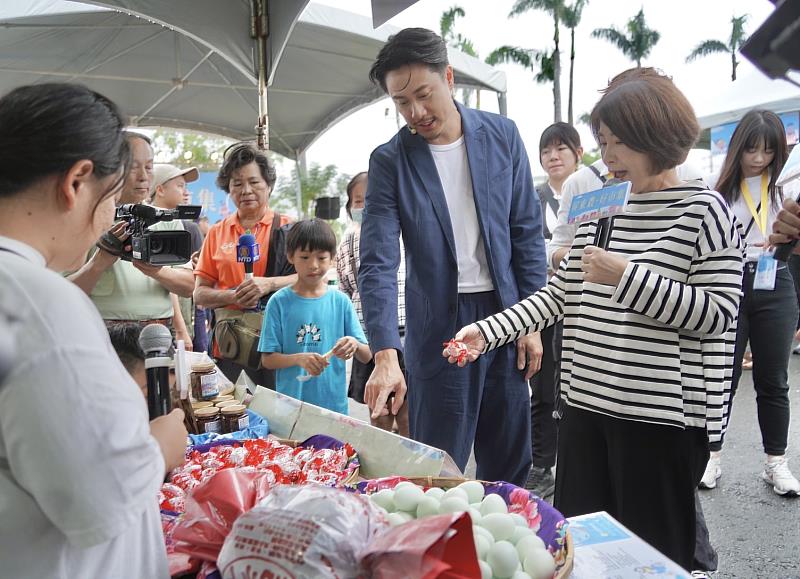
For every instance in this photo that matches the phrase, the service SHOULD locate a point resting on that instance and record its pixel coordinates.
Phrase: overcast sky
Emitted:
(682, 24)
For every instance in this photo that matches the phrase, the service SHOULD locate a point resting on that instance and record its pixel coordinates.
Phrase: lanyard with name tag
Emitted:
(767, 266)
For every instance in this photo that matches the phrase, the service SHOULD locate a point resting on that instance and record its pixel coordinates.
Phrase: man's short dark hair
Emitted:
(409, 46)
(125, 339)
(311, 235)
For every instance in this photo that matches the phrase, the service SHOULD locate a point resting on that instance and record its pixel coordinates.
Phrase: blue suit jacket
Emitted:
(405, 195)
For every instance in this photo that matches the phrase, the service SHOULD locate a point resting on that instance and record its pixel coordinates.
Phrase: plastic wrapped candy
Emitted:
(320, 459)
(457, 350)
(307, 531)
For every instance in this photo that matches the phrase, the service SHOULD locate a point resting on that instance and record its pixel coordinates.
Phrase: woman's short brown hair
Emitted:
(648, 113)
(237, 156)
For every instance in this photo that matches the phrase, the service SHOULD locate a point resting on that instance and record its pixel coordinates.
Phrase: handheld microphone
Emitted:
(247, 252)
(155, 341)
(602, 234)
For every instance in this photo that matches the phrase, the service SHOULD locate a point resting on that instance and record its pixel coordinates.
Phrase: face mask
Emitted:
(357, 214)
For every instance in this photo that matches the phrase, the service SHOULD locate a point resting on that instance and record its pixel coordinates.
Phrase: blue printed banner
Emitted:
(605, 202)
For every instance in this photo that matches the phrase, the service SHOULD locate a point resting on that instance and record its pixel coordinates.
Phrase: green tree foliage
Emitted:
(189, 149)
(735, 42)
(318, 181)
(636, 42)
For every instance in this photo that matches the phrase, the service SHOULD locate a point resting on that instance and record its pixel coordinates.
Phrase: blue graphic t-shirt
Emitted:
(294, 325)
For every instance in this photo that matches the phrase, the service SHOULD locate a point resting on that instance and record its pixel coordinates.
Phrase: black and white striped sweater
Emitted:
(659, 347)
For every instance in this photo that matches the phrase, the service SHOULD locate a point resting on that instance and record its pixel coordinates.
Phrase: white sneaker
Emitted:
(712, 473)
(783, 482)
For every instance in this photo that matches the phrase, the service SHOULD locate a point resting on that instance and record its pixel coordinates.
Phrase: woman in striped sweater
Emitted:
(649, 327)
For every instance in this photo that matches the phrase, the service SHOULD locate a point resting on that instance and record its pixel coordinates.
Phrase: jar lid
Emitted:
(203, 366)
(223, 398)
(226, 403)
(209, 412)
(198, 405)
(234, 409)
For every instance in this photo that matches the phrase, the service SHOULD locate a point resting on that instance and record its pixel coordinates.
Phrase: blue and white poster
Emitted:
(216, 204)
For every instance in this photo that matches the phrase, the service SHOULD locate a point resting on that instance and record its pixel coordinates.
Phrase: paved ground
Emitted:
(756, 532)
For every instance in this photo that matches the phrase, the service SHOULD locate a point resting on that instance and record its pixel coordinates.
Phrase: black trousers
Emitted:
(544, 428)
(644, 475)
(794, 269)
(768, 319)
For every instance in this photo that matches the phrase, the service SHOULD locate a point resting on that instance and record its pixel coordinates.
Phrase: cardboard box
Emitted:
(605, 549)
(381, 453)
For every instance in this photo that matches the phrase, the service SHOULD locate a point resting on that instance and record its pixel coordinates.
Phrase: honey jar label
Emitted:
(213, 426)
(244, 422)
(209, 385)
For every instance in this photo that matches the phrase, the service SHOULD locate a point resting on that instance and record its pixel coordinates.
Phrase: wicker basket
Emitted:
(449, 482)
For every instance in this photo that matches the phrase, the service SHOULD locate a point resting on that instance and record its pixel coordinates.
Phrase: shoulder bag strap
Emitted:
(273, 235)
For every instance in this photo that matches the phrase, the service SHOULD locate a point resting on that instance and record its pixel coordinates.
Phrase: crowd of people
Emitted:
(596, 360)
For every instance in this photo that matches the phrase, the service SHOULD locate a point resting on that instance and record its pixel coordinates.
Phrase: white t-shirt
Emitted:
(79, 470)
(453, 168)
(753, 237)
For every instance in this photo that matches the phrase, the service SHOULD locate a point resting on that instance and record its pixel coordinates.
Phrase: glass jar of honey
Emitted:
(204, 381)
(208, 420)
(235, 417)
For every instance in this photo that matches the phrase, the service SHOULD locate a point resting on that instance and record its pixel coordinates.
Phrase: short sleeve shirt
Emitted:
(293, 325)
(125, 293)
(217, 261)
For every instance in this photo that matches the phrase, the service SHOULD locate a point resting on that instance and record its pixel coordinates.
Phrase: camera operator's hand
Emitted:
(147, 269)
(170, 432)
(104, 259)
(195, 259)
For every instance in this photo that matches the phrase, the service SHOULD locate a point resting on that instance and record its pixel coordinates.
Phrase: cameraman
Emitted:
(135, 291)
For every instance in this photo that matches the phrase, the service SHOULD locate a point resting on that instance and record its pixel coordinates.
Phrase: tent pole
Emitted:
(502, 103)
(258, 30)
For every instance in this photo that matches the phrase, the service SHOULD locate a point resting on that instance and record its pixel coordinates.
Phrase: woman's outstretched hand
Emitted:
(465, 347)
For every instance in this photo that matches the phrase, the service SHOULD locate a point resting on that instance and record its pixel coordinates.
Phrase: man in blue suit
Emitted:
(456, 183)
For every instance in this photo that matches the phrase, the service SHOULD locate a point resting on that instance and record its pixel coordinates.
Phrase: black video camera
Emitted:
(153, 247)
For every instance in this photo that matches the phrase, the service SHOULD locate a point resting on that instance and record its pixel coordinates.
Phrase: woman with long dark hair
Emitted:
(80, 467)
(768, 312)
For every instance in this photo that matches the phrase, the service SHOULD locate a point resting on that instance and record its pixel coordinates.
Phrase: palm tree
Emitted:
(556, 9)
(572, 17)
(456, 40)
(639, 41)
(526, 58)
(716, 46)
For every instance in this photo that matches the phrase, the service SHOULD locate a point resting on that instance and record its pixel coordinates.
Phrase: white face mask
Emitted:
(357, 214)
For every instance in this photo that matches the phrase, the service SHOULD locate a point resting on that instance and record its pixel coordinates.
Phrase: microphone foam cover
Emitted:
(247, 239)
(155, 338)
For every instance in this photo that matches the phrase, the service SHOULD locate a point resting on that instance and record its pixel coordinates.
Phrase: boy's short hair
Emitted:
(311, 235)
(125, 339)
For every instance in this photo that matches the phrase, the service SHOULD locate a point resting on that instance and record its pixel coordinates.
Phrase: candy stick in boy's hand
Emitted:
(306, 377)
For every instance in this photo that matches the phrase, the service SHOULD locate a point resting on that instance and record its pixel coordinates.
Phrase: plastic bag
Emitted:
(306, 531)
(437, 547)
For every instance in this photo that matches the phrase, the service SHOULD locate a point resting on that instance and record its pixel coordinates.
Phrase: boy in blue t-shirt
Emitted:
(308, 323)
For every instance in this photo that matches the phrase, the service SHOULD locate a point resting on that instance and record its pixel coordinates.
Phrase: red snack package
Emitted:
(438, 547)
(212, 508)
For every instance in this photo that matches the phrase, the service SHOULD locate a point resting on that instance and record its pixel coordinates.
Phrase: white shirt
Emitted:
(753, 237)
(581, 181)
(453, 168)
(79, 470)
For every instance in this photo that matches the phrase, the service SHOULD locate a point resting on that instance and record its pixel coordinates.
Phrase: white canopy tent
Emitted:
(190, 64)
(754, 90)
